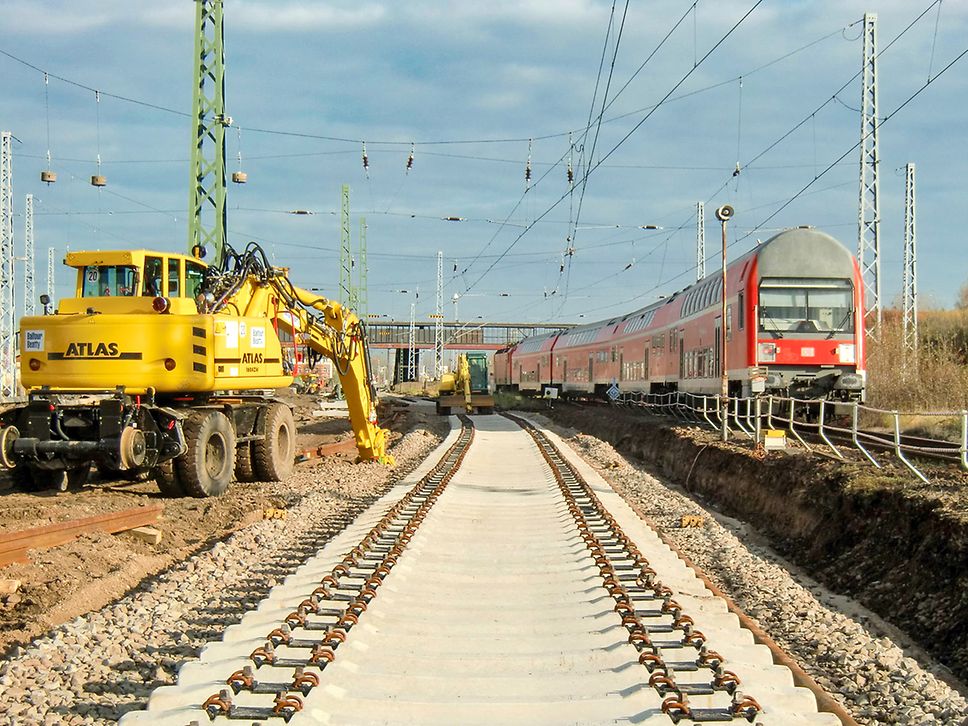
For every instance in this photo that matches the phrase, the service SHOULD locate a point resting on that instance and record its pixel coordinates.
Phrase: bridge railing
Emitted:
(829, 425)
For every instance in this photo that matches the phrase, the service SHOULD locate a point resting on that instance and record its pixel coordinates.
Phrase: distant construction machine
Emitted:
(162, 367)
(467, 387)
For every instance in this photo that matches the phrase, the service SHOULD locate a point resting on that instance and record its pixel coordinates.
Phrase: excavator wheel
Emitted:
(167, 479)
(273, 457)
(206, 467)
(243, 462)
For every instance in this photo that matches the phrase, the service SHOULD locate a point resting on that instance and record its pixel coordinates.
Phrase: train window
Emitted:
(729, 322)
(806, 306)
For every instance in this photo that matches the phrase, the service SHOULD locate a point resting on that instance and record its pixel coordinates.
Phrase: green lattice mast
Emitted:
(206, 196)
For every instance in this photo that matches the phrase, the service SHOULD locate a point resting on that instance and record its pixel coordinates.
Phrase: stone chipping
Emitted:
(97, 667)
(866, 671)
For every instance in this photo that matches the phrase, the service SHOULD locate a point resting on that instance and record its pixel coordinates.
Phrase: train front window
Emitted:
(806, 306)
(109, 280)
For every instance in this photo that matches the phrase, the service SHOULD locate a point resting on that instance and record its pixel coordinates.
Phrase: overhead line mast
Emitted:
(869, 209)
(910, 313)
(29, 297)
(700, 241)
(206, 195)
(8, 328)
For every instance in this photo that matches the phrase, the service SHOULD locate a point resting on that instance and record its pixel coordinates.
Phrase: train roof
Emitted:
(797, 252)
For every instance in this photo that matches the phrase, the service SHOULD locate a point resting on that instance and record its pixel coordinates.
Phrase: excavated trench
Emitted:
(893, 543)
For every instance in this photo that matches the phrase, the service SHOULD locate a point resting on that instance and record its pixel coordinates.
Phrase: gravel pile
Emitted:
(99, 666)
(869, 674)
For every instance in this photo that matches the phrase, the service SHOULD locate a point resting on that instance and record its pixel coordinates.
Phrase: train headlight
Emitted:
(846, 353)
(767, 352)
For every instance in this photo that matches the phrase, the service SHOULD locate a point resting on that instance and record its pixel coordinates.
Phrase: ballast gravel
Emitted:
(99, 666)
(868, 673)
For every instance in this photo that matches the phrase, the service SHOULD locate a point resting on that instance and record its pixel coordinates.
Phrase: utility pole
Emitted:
(8, 327)
(29, 297)
(345, 253)
(50, 273)
(362, 294)
(869, 209)
(411, 345)
(700, 241)
(206, 195)
(910, 311)
(439, 318)
(723, 214)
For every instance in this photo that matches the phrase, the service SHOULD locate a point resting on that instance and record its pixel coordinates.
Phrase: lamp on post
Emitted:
(723, 214)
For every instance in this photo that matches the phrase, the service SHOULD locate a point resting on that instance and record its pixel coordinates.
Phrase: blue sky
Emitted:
(491, 76)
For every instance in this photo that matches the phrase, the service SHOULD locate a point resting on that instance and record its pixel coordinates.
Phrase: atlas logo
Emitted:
(91, 350)
(251, 358)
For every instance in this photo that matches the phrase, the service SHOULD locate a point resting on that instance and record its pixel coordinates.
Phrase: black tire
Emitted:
(206, 467)
(167, 480)
(273, 457)
(244, 471)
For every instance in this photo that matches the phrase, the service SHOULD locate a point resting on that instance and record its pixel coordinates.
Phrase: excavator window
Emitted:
(174, 278)
(153, 276)
(109, 280)
(194, 275)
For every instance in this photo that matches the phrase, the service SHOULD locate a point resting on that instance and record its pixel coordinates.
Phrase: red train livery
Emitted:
(794, 326)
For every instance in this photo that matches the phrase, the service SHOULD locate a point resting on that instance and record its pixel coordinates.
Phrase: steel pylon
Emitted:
(869, 208)
(910, 303)
(206, 195)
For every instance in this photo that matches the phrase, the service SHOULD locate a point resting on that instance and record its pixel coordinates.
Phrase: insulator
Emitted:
(410, 159)
(366, 159)
(527, 173)
(571, 175)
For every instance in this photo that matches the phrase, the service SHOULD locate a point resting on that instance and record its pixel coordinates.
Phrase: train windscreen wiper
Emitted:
(776, 328)
(839, 327)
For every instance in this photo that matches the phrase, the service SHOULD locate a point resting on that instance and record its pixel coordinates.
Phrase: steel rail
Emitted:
(630, 581)
(323, 621)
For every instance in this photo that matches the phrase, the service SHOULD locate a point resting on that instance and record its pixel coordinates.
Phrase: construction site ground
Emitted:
(60, 583)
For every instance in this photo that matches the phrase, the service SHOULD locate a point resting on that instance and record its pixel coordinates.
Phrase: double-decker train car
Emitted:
(794, 326)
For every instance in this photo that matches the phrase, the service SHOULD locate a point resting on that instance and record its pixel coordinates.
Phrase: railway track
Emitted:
(501, 582)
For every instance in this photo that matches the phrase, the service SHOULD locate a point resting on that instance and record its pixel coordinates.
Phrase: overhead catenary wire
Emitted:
(635, 128)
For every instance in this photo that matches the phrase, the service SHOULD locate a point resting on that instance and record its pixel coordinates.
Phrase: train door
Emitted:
(621, 364)
(591, 370)
(646, 374)
(564, 372)
(682, 355)
(538, 374)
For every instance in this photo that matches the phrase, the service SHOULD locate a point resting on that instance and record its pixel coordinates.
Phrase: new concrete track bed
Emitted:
(504, 585)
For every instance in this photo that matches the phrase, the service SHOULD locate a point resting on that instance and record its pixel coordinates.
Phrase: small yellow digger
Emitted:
(467, 387)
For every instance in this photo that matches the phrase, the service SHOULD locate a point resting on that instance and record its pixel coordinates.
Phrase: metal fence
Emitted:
(826, 423)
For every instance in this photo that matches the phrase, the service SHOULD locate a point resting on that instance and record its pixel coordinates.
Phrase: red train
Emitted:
(794, 326)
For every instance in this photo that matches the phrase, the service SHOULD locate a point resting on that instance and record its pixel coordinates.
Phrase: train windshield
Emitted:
(806, 306)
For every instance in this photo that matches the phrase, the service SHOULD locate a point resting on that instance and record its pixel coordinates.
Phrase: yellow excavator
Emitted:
(163, 367)
(467, 387)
